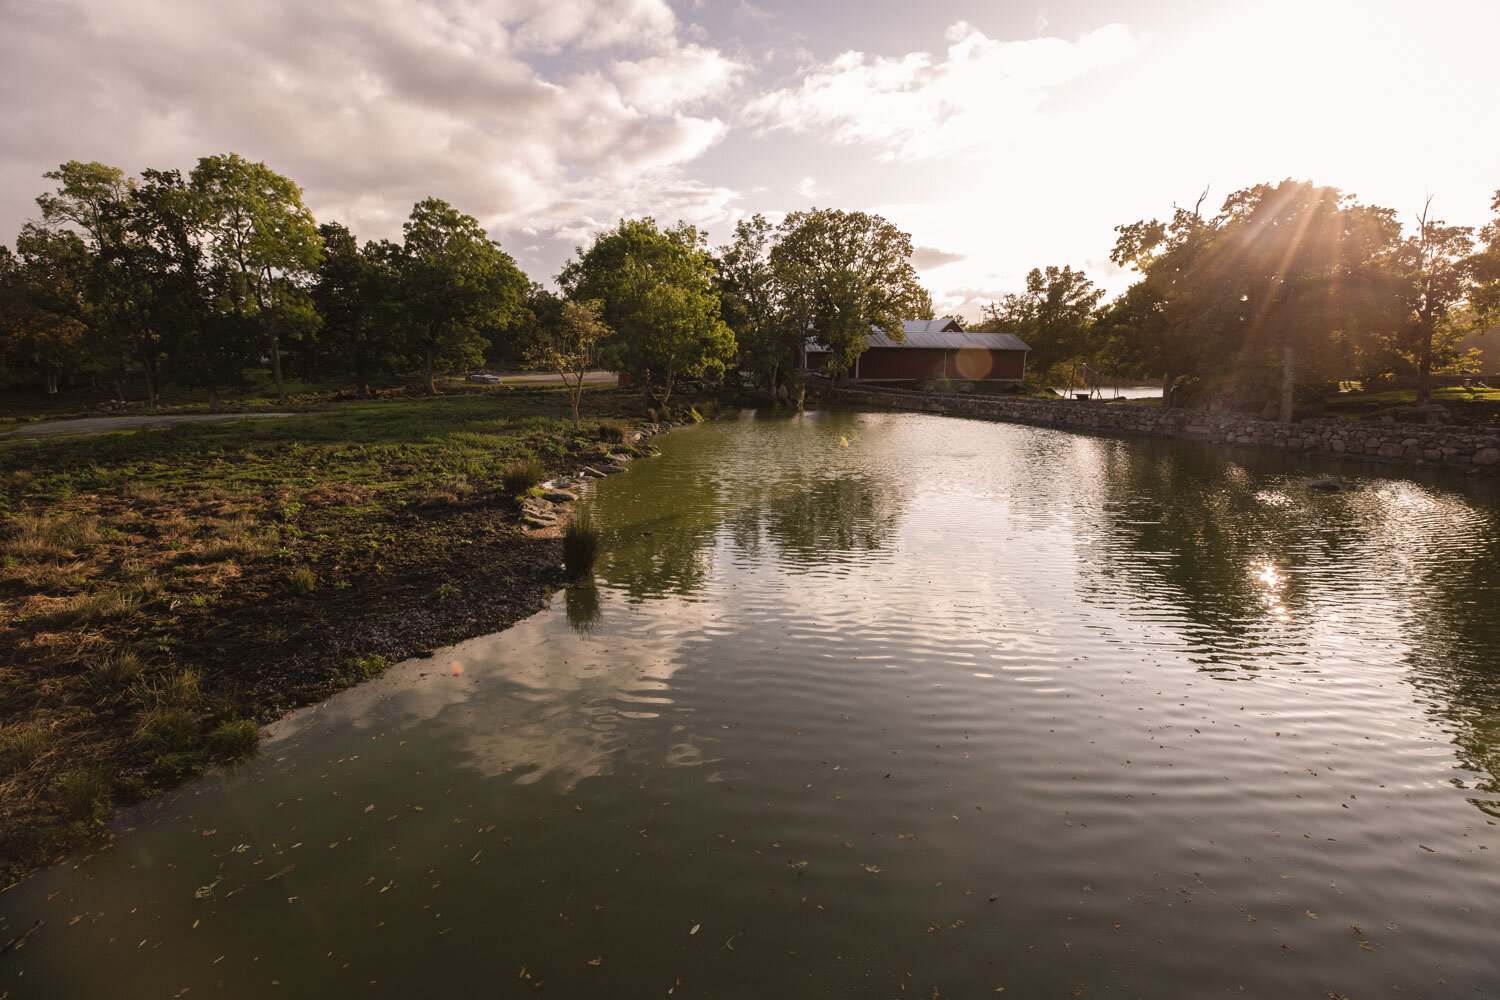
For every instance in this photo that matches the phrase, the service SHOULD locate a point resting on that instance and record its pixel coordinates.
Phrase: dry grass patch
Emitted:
(22, 744)
(38, 538)
(452, 491)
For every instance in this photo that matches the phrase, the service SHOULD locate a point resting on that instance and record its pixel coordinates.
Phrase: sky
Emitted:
(1002, 136)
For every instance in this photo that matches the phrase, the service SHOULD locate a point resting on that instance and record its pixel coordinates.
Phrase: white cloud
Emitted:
(369, 104)
(808, 188)
(918, 107)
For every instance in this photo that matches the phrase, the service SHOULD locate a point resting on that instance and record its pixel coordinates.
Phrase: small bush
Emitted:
(302, 581)
(521, 476)
(445, 592)
(580, 546)
(84, 795)
(234, 741)
(613, 431)
(652, 415)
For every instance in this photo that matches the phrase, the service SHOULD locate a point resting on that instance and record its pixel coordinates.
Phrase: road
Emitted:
(103, 425)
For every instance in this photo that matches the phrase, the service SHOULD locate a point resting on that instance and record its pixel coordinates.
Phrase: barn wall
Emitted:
(973, 364)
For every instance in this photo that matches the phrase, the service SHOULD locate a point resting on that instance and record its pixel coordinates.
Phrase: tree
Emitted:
(751, 303)
(1439, 270)
(84, 224)
(268, 246)
(455, 284)
(40, 336)
(1054, 316)
(570, 347)
(659, 301)
(842, 274)
(353, 294)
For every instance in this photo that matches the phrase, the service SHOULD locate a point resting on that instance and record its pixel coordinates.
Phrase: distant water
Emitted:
(877, 705)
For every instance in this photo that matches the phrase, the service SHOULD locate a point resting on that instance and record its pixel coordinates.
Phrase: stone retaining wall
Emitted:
(1387, 442)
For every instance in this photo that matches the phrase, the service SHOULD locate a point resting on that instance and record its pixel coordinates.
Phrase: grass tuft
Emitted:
(166, 729)
(302, 581)
(115, 673)
(234, 741)
(83, 795)
(21, 744)
(613, 431)
(521, 476)
(580, 546)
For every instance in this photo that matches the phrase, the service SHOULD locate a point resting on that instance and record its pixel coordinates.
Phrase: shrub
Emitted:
(521, 476)
(613, 430)
(445, 592)
(580, 546)
(234, 741)
(652, 415)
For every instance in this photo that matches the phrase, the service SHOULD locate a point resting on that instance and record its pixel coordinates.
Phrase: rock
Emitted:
(1487, 456)
(1326, 483)
(556, 495)
(611, 469)
(619, 459)
(589, 472)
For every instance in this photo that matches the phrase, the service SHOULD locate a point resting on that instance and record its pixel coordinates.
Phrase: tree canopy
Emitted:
(841, 274)
(659, 301)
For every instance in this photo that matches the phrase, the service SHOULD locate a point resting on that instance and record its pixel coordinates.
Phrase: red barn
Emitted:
(933, 349)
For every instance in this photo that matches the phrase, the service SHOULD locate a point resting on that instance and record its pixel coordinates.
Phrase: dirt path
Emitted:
(103, 425)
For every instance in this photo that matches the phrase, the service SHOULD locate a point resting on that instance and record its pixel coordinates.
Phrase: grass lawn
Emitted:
(164, 591)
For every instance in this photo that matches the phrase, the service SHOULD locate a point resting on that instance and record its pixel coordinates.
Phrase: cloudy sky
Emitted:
(1001, 135)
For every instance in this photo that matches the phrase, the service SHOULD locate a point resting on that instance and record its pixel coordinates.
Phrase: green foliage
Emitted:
(454, 285)
(580, 546)
(659, 301)
(842, 273)
(234, 741)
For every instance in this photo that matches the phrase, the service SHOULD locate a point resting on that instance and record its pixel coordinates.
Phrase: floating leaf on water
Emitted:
(696, 928)
(597, 961)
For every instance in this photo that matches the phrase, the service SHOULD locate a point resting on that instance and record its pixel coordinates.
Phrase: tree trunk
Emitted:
(49, 381)
(1166, 389)
(1424, 365)
(275, 344)
(213, 394)
(429, 386)
(1288, 382)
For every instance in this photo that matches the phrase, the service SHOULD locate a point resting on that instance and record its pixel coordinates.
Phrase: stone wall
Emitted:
(1366, 440)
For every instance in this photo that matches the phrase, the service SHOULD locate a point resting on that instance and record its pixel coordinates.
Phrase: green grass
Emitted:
(580, 546)
(234, 741)
(84, 796)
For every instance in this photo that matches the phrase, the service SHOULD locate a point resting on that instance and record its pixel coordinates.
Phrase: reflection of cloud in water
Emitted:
(538, 701)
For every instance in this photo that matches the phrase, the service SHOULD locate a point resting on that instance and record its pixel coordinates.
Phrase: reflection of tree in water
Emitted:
(1187, 530)
(831, 516)
(1249, 570)
(1454, 647)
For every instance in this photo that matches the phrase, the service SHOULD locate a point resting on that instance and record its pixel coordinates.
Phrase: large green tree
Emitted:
(752, 306)
(83, 230)
(1438, 265)
(268, 245)
(841, 274)
(357, 296)
(456, 284)
(657, 290)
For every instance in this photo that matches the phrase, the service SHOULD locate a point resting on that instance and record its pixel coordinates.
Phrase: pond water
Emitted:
(876, 705)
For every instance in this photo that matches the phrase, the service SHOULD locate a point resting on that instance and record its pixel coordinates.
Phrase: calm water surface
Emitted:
(877, 705)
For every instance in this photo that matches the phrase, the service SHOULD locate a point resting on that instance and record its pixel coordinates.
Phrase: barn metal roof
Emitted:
(947, 339)
(938, 333)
